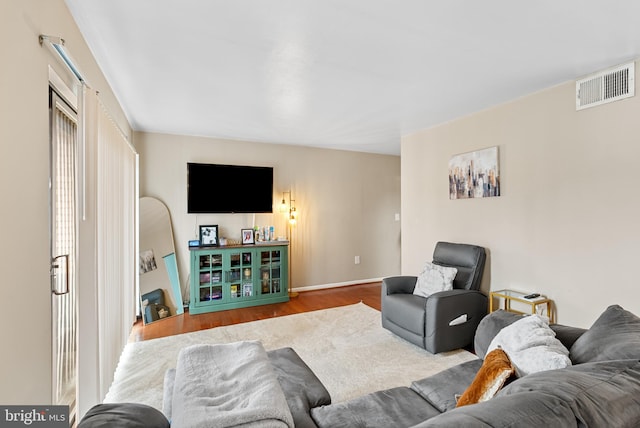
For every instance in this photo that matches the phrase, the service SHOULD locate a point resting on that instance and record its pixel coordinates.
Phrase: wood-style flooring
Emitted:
(306, 301)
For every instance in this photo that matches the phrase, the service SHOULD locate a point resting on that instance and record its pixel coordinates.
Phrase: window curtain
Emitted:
(108, 259)
(116, 202)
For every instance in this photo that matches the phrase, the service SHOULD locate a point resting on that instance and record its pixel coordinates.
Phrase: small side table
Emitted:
(517, 296)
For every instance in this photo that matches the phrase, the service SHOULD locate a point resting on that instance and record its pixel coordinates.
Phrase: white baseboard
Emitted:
(335, 285)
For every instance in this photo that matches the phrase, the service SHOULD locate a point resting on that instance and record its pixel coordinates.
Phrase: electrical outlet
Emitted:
(357, 260)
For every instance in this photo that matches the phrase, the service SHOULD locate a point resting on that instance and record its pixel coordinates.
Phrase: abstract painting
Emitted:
(474, 174)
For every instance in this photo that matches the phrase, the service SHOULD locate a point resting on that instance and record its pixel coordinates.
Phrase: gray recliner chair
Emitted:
(445, 320)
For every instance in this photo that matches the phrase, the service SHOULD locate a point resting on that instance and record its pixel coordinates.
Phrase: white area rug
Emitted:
(346, 347)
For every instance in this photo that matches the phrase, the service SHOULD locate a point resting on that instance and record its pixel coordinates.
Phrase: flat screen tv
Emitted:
(223, 189)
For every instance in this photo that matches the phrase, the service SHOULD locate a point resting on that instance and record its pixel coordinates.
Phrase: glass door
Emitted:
(270, 271)
(63, 225)
(240, 277)
(211, 281)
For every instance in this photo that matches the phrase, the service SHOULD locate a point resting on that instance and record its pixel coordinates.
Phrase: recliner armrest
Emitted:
(399, 285)
(445, 306)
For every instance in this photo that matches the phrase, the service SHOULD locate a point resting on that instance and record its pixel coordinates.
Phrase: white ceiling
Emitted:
(343, 74)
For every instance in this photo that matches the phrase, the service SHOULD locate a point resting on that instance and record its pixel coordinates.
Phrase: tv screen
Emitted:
(217, 189)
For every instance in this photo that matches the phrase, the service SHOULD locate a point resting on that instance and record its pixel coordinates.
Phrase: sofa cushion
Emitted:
(441, 388)
(532, 346)
(433, 279)
(489, 327)
(231, 383)
(124, 415)
(615, 335)
(567, 334)
(525, 410)
(301, 387)
(600, 393)
(497, 320)
(494, 372)
(395, 407)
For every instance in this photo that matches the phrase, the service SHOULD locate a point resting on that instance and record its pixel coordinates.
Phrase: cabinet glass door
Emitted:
(240, 277)
(270, 272)
(210, 277)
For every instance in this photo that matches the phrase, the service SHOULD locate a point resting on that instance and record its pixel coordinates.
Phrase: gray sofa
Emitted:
(302, 391)
(600, 389)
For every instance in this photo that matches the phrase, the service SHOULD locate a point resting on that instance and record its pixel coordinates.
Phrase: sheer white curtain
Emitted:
(116, 202)
(108, 261)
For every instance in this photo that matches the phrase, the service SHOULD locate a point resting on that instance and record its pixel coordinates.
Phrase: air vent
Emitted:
(606, 86)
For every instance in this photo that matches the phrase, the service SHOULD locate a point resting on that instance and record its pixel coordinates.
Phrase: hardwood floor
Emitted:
(306, 301)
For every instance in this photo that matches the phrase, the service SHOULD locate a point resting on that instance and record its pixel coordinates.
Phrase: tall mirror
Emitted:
(160, 295)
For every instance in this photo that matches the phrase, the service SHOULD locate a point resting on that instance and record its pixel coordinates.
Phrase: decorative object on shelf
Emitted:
(209, 235)
(247, 236)
(262, 234)
(474, 174)
(194, 243)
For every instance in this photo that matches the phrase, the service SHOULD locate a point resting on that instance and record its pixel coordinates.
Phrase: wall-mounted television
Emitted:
(224, 189)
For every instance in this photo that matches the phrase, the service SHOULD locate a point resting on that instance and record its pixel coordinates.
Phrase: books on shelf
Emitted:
(247, 290)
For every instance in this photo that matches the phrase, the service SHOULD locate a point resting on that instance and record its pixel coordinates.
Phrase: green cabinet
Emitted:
(238, 276)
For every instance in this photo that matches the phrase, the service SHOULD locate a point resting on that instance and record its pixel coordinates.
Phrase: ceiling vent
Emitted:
(606, 86)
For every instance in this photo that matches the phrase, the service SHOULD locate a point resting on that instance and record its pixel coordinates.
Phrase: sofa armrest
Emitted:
(452, 318)
(398, 285)
(302, 388)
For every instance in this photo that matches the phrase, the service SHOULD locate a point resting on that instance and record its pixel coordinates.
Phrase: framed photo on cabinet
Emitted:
(209, 235)
(247, 236)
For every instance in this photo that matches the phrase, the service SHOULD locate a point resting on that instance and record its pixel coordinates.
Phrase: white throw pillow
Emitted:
(531, 346)
(434, 278)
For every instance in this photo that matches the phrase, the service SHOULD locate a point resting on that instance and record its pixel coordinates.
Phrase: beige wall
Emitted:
(24, 169)
(346, 201)
(567, 223)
